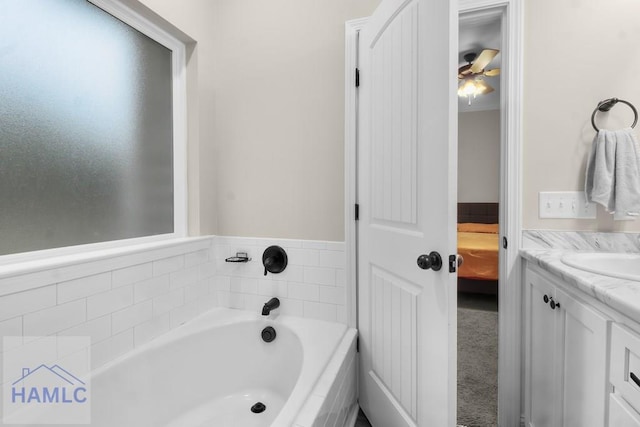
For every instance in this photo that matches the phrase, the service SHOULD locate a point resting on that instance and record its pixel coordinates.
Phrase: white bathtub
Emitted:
(210, 371)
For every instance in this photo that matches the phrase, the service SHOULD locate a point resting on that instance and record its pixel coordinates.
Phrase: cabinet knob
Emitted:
(554, 304)
(546, 299)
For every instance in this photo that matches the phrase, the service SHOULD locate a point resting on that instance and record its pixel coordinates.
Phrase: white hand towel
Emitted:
(600, 176)
(613, 172)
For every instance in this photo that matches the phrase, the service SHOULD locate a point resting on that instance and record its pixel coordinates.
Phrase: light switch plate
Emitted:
(565, 204)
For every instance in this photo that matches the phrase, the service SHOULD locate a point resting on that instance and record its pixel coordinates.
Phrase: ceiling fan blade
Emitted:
(483, 87)
(483, 60)
(463, 71)
(492, 73)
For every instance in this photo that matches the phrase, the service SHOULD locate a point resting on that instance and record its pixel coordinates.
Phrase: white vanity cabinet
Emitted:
(625, 377)
(566, 375)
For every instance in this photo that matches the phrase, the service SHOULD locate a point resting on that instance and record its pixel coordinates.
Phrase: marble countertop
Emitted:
(621, 295)
(546, 249)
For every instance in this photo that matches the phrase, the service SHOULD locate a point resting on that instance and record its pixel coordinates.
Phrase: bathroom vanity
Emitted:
(581, 343)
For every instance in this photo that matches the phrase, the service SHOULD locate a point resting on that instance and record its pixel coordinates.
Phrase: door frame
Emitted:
(351, 30)
(509, 292)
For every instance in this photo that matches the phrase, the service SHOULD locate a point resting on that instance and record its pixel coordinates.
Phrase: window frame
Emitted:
(135, 20)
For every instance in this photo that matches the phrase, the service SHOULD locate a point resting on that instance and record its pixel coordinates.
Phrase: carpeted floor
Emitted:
(362, 420)
(477, 364)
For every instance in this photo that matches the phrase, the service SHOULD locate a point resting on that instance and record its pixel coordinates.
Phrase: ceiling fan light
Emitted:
(468, 88)
(481, 87)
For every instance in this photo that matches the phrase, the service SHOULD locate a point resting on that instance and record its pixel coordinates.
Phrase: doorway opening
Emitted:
(479, 143)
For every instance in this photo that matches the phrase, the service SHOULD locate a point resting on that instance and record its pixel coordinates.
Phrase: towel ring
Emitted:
(607, 105)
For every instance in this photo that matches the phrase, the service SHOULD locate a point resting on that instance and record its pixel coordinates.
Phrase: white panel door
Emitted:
(407, 194)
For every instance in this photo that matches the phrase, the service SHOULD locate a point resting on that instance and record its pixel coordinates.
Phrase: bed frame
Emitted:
(481, 213)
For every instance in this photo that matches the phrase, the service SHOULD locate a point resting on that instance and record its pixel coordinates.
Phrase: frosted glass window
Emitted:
(86, 138)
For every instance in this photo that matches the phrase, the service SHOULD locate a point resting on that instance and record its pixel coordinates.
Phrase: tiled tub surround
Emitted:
(312, 285)
(120, 300)
(124, 298)
(547, 248)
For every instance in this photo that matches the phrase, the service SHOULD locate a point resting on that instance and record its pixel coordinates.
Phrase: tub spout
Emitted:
(272, 304)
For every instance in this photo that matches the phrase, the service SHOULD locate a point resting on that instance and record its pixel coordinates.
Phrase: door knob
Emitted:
(432, 261)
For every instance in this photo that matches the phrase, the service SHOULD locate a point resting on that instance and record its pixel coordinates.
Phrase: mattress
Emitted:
(478, 245)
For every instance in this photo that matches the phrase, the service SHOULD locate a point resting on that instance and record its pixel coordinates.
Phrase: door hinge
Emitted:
(505, 243)
(358, 345)
(453, 263)
(357, 77)
(357, 212)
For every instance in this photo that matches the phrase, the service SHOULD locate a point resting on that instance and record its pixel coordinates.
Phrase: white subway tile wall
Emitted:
(313, 284)
(123, 301)
(120, 301)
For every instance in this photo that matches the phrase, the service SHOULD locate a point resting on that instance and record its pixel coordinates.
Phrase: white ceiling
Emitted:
(478, 32)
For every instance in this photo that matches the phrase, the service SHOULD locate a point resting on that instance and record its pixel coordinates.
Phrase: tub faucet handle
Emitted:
(274, 260)
(267, 264)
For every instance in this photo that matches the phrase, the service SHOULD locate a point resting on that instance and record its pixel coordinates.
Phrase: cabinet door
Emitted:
(583, 355)
(541, 334)
(620, 414)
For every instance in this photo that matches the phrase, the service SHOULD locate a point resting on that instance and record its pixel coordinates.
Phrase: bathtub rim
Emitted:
(200, 324)
(315, 356)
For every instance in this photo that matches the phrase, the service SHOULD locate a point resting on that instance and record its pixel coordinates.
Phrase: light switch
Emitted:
(565, 204)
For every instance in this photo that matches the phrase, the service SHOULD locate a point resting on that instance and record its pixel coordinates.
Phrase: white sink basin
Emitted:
(620, 265)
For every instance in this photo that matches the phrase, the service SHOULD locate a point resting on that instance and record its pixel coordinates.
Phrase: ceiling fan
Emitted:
(470, 73)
